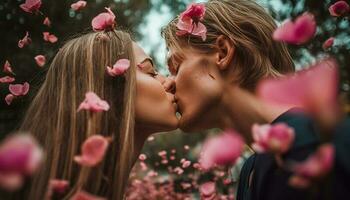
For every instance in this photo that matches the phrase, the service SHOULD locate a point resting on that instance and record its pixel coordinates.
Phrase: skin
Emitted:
(208, 93)
(155, 107)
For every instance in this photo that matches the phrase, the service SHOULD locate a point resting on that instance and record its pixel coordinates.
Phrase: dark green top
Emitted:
(270, 182)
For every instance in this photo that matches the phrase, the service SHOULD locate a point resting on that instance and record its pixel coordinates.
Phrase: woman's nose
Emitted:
(169, 84)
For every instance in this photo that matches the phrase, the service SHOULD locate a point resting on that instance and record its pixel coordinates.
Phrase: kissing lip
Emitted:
(178, 103)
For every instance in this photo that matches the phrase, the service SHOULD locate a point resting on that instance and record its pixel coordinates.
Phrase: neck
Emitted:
(242, 109)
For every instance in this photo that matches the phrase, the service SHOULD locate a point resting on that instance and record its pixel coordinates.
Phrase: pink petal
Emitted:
(7, 79)
(119, 68)
(339, 8)
(31, 6)
(49, 37)
(59, 186)
(298, 32)
(314, 89)
(207, 189)
(47, 21)
(9, 98)
(40, 60)
(25, 41)
(19, 89)
(81, 195)
(142, 157)
(8, 68)
(11, 182)
(78, 5)
(20, 154)
(328, 43)
(195, 11)
(93, 103)
(93, 151)
(104, 21)
(186, 164)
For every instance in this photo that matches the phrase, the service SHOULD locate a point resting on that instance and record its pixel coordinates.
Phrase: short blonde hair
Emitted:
(250, 29)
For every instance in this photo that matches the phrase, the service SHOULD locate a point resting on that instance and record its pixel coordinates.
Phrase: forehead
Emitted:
(140, 54)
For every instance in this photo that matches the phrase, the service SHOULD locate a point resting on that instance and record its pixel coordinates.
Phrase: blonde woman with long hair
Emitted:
(140, 104)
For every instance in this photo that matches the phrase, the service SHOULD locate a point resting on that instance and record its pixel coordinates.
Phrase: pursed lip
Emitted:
(178, 103)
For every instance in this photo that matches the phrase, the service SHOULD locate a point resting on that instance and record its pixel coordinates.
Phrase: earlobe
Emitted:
(226, 51)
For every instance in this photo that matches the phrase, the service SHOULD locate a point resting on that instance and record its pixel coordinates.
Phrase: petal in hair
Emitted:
(40, 60)
(19, 89)
(31, 6)
(93, 151)
(7, 79)
(78, 5)
(104, 21)
(119, 68)
(25, 41)
(298, 32)
(328, 43)
(93, 103)
(9, 98)
(339, 8)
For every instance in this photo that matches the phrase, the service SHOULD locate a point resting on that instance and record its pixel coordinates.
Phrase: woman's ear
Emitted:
(226, 51)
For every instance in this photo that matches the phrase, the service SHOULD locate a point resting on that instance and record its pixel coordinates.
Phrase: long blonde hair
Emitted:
(250, 29)
(79, 67)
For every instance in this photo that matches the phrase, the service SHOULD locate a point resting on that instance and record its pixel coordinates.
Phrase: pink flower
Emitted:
(93, 103)
(316, 166)
(40, 60)
(119, 68)
(189, 21)
(339, 8)
(104, 21)
(298, 32)
(20, 155)
(25, 41)
(224, 149)
(9, 98)
(7, 79)
(93, 151)
(49, 37)
(328, 43)
(314, 89)
(81, 195)
(78, 5)
(31, 6)
(47, 21)
(8, 68)
(19, 89)
(276, 138)
(207, 190)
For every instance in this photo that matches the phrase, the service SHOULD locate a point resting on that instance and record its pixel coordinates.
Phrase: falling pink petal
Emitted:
(9, 98)
(207, 189)
(142, 157)
(162, 153)
(178, 170)
(19, 89)
(25, 41)
(11, 182)
(59, 186)
(93, 151)
(104, 21)
(40, 60)
(186, 164)
(49, 37)
(8, 68)
(31, 6)
(186, 147)
(82, 195)
(93, 103)
(20, 154)
(224, 149)
(119, 68)
(314, 89)
(47, 21)
(339, 8)
(318, 164)
(298, 32)
(328, 43)
(7, 79)
(78, 5)
(276, 138)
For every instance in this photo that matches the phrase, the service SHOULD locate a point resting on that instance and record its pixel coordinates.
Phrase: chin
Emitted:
(190, 124)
